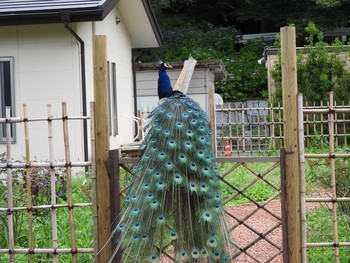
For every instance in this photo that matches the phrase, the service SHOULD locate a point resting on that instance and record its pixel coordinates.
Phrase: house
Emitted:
(46, 58)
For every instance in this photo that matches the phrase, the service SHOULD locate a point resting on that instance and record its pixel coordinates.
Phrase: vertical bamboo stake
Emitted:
(29, 187)
(272, 130)
(93, 177)
(322, 135)
(335, 117)
(302, 177)
(102, 146)
(53, 185)
(251, 130)
(290, 113)
(243, 131)
(344, 127)
(237, 129)
(280, 116)
(9, 187)
(69, 182)
(307, 126)
(212, 115)
(333, 179)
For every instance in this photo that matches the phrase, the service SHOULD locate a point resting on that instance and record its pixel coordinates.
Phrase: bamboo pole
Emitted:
(302, 178)
(102, 148)
(9, 189)
(333, 177)
(53, 184)
(20, 208)
(69, 184)
(28, 186)
(289, 86)
(46, 251)
(212, 115)
(54, 118)
(44, 164)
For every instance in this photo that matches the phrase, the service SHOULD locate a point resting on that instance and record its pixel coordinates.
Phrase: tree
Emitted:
(319, 69)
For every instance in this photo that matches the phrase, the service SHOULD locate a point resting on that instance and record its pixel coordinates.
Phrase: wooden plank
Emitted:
(102, 146)
(290, 92)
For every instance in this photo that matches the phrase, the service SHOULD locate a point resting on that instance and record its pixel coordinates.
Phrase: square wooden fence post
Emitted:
(290, 117)
(101, 148)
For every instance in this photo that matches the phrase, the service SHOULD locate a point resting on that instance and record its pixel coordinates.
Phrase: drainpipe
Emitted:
(134, 61)
(65, 16)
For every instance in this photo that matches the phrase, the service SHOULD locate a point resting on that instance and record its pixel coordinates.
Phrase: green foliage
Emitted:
(42, 226)
(319, 70)
(240, 177)
(320, 229)
(183, 37)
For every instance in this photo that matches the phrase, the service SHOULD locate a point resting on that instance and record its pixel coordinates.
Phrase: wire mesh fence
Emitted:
(45, 210)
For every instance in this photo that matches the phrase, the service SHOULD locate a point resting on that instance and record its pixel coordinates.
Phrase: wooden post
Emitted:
(102, 148)
(290, 116)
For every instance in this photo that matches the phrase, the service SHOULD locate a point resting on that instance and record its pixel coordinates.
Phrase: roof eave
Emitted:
(153, 21)
(54, 16)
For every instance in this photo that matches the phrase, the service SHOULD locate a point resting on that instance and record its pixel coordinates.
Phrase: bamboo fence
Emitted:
(10, 166)
(332, 114)
(254, 130)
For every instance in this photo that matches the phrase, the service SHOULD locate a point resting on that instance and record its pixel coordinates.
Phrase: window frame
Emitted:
(11, 89)
(112, 98)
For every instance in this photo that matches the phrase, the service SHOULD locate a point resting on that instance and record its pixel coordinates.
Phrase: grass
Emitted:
(42, 227)
(240, 177)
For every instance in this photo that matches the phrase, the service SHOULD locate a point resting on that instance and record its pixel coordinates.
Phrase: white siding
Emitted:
(46, 72)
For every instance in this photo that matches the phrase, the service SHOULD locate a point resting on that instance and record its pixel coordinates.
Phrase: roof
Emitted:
(21, 12)
(216, 67)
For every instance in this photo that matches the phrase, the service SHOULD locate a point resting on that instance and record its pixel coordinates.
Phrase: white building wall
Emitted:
(119, 52)
(46, 71)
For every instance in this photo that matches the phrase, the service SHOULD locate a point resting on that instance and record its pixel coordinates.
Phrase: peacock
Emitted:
(174, 204)
(164, 85)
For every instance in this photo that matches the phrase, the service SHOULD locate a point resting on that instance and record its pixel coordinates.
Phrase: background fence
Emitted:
(42, 217)
(255, 127)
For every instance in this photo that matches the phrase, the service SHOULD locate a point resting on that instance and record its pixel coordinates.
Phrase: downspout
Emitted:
(133, 62)
(65, 16)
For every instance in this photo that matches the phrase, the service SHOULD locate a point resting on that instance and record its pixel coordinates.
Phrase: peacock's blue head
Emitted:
(164, 66)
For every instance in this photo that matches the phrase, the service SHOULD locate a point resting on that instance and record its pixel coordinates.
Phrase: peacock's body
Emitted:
(174, 198)
(164, 85)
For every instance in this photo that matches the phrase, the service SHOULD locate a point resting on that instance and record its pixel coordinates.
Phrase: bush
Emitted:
(319, 70)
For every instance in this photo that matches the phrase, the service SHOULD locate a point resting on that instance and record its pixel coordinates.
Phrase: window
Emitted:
(7, 96)
(112, 102)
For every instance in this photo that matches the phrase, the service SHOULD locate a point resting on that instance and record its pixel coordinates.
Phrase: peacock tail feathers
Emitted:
(175, 196)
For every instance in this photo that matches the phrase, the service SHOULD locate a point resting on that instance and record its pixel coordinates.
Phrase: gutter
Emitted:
(65, 17)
